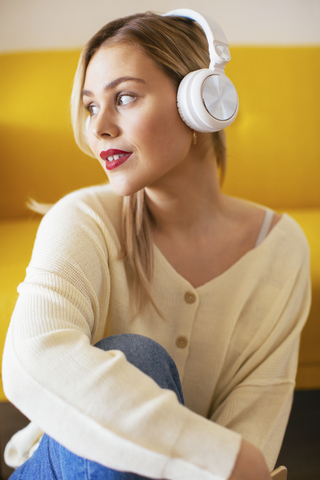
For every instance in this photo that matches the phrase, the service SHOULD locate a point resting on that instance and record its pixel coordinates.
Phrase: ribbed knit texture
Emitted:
(237, 369)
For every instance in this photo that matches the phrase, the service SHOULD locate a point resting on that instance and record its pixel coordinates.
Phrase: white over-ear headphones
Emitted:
(207, 99)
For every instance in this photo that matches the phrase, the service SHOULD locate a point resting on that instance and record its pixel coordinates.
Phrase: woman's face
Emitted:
(135, 130)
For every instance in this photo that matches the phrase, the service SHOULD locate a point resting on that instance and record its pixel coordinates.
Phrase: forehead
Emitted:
(113, 61)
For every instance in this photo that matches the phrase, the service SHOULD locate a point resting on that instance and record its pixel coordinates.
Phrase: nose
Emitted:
(104, 125)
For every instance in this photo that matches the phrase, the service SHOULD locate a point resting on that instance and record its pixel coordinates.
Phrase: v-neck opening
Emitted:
(234, 266)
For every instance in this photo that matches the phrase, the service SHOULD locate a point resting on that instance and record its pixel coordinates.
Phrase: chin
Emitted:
(124, 189)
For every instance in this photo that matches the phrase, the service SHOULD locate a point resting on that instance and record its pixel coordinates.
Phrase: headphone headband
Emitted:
(207, 100)
(217, 41)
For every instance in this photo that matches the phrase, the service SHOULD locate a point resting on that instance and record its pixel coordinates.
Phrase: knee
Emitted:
(147, 355)
(137, 348)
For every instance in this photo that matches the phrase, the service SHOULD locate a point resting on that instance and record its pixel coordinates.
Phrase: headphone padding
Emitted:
(191, 105)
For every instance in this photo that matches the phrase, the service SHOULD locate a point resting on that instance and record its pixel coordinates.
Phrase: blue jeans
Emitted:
(51, 461)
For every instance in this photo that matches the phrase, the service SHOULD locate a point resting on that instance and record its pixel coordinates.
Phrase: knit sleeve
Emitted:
(93, 402)
(257, 401)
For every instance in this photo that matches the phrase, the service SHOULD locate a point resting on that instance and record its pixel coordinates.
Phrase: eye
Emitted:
(92, 109)
(124, 99)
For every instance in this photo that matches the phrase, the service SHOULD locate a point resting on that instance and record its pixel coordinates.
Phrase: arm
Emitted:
(74, 391)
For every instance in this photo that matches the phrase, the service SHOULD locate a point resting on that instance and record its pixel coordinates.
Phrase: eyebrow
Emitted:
(113, 84)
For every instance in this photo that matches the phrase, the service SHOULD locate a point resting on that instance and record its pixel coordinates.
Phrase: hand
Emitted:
(250, 464)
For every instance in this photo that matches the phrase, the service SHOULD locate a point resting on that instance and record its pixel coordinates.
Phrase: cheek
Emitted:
(95, 147)
(161, 127)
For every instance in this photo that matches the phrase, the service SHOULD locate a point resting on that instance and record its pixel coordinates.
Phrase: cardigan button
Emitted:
(190, 297)
(182, 341)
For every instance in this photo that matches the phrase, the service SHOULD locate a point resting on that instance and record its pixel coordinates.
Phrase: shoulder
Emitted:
(96, 196)
(84, 221)
(290, 237)
(91, 205)
(282, 260)
(284, 233)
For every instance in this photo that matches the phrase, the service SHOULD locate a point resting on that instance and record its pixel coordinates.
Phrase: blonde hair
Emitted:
(178, 46)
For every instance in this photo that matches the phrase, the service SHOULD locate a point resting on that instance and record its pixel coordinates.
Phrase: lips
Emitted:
(114, 158)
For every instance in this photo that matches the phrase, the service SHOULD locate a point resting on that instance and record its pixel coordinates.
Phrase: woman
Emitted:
(188, 272)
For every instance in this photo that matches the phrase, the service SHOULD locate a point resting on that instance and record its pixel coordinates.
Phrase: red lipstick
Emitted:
(120, 157)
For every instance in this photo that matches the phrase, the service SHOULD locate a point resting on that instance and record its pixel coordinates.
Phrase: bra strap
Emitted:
(265, 227)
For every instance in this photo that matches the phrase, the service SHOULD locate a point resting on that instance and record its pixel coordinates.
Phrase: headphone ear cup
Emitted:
(185, 107)
(207, 102)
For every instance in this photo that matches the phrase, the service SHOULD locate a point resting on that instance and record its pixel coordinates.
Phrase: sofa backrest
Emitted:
(274, 146)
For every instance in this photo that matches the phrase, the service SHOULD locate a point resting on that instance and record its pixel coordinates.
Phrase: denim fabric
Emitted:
(52, 461)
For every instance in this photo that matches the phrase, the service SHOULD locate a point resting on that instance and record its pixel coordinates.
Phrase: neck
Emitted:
(186, 198)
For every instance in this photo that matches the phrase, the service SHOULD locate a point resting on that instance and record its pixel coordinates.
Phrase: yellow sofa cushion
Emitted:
(274, 144)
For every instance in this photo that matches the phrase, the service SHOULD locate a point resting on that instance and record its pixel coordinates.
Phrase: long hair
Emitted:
(178, 46)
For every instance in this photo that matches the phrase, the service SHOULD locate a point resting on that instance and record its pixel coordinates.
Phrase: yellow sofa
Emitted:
(274, 156)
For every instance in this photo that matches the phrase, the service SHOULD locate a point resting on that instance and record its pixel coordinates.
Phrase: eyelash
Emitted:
(124, 94)
(90, 107)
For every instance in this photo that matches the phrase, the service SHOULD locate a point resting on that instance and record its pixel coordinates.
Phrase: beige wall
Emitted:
(51, 24)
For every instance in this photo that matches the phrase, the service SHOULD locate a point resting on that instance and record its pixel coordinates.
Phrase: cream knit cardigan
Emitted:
(237, 369)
